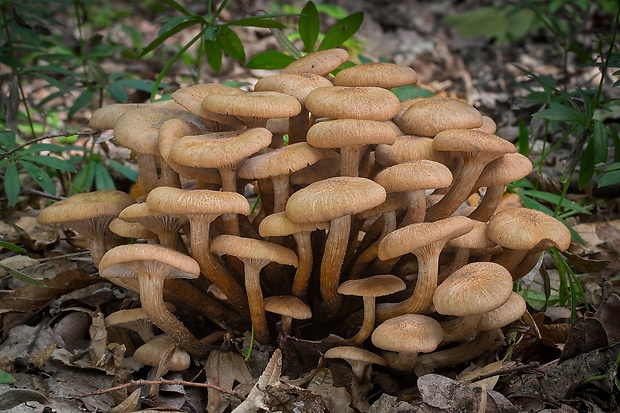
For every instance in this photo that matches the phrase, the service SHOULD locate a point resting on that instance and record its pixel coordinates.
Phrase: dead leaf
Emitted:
(129, 404)
(15, 397)
(607, 314)
(447, 394)
(390, 404)
(270, 377)
(223, 369)
(610, 234)
(586, 334)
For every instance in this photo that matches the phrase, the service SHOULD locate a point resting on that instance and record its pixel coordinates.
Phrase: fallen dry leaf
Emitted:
(223, 369)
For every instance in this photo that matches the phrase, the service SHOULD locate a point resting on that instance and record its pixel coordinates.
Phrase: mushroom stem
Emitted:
(461, 353)
(331, 264)
(416, 210)
(304, 270)
(229, 183)
(368, 324)
(401, 361)
(459, 328)
(487, 206)
(255, 299)
(147, 166)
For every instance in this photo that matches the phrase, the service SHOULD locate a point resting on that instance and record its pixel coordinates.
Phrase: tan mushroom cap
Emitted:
(86, 206)
(327, 167)
(373, 286)
(253, 249)
(416, 236)
(288, 306)
(177, 201)
(472, 141)
(278, 225)
(393, 202)
(191, 97)
(505, 169)
(340, 133)
(507, 313)
(127, 229)
(488, 125)
(105, 117)
(297, 85)
(281, 161)
(151, 353)
(129, 317)
(340, 102)
(412, 333)
(216, 150)
(475, 288)
(408, 148)
(525, 229)
(253, 105)
(178, 264)
(318, 63)
(414, 175)
(380, 74)
(333, 198)
(429, 116)
(475, 239)
(354, 354)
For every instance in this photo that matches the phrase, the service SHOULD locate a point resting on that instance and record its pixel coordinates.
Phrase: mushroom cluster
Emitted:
(363, 229)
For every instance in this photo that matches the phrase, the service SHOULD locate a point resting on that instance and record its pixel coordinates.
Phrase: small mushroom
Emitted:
(360, 360)
(289, 307)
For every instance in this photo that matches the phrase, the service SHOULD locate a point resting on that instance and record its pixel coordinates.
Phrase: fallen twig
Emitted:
(504, 371)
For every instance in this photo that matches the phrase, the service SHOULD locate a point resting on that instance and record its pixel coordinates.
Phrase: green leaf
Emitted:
(117, 92)
(164, 36)
(50, 161)
(12, 186)
(410, 92)
(7, 139)
(84, 99)
(21, 276)
(264, 20)
(230, 43)
(11, 247)
(6, 378)
(560, 113)
(270, 60)
(177, 7)
(609, 178)
(213, 51)
(123, 170)
(309, 26)
(341, 31)
(554, 199)
(40, 147)
(39, 175)
(103, 180)
(84, 179)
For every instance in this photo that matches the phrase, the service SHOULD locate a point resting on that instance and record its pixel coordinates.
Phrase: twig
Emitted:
(161, 381)
(44, 137)
(504, 371)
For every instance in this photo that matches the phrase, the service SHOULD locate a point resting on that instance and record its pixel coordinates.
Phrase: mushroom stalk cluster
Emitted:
(359, 211)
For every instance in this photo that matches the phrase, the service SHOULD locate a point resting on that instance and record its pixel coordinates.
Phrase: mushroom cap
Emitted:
(282, 161)
(105, 117)
(86, 206)
(475, 239)
(412, 333)
(326, 167)
(429, 116)
(340, 102)
(348, 132)
(525, 229)
(380, 74)
(333, 198)
(178, 265)
(473, 142)
(297, 85)
(278, 225)
(253, 249)
(130, 317)
(407, 148)
(318, 63)
(176, 201)
(507, 313)
(151, 353)
(505, 169)
(254, 105)
(414, 175)
(393, 202)
(488, 125)
(373, 286)
(414, 237)
(475, 288)
(288, 306)
(191, 97)
(127, 229)
(354, 354)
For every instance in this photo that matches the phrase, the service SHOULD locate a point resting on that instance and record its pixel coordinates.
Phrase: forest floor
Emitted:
(64, 359)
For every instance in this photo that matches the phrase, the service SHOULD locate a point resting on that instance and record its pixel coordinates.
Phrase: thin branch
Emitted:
(504, 371)
(161, 381)
(44, 137)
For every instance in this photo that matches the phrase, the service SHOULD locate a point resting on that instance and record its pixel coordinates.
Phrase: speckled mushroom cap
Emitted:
(393, 202)
(380, 74)
(278, 225)
(354, 354)
(105, 117)
(348, 132)
(525, 229)
(253, 249)
(177, 201)
(472, 141)
(318, 63)
(281, 161)
(288, 306)
(262, 105)
(297, 85)
(412, 333)
(215, 150)
(333, 198)
(507, 313)
(373, 286)
(191, 98)
(130, 229)
(475, 288)
(151, 353)
(415, 236)
(414, 175)
(505, 169)
(340, 102)
(86, 206)
(408, 148)
(177, 264)
(475, 239)
(429, 116)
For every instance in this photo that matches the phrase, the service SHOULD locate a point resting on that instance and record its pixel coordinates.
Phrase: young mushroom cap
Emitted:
(191, 97)
(318, 63)
(152, 352)
(429, 116)
(289, 307)
(408, 148)
(127, 229)
(340, 102)
(507, 313)
(297, 85)
(135, 319)
(380, 74)
(358, 358)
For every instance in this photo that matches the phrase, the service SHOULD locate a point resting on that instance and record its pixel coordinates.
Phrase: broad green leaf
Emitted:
(117, 92)
(164, 36)
(83, 100)
(554, 199)
(609, 178)
(410, 92)
(309, 26)
(177, 6)
(286, 43)
(103, 180)
(21, 276)
(39, 175)
(213, 51)
(264, 21)
(123, 170)
(587, 165)
(11, 247)
(7, 140)
(50, 161)
(560, 113)
(6, 378)
(270, 60)
(171, 23)
(594, 154)
(40, 147)
(341, 31)
(84, 179)
(12, 186)
(230, 43)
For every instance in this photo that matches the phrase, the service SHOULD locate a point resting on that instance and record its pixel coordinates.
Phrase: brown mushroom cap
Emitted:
(151, 353)
(253, 249)
(340, 133)
(373, 286)
(408, 148)
(339, 102)
(281, 161)
(263, 105)
(505, 169)
(297, 85)
(177, 201)
(380, 74)
(127, 229)
(357, 357)
(278, 225)
(507, 313)
(288, 306)
(414, 175)
(429, 116)
(191, 97)
(318, 63)
(413, 333)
